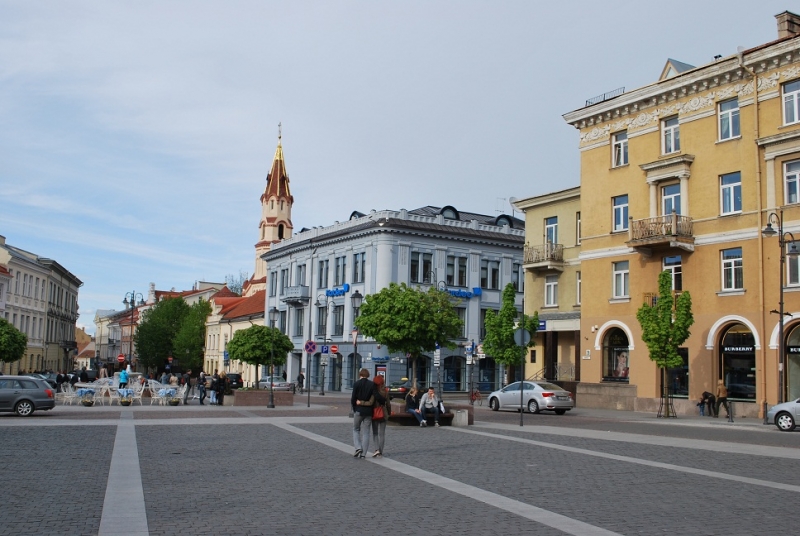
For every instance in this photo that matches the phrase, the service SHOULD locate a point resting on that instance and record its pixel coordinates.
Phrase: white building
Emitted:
(312, 275)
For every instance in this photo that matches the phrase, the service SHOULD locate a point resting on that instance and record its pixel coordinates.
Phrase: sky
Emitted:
(136, 136)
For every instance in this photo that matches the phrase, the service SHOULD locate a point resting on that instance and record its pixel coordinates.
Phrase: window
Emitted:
(671, 136)
(620, 149)
(359, 262)
(732, 270)
(284, 281)
(300, 276)
(338, 321)
(483, 323)
(791, 102)
(517, 277)
(299, 321)
(339, 272)
(462, 317)
(621, 279)
(793, 267)
(322, 321)
(551, 230)
(273, 283)
(322, 274)
(578, 288)
(456, 271)
(620, 213)
(673, 265)
(792, 179)
(731, 193)
(490, 274)
(671, 199)
(578, 228)
(729, 119)
(551, 291)
(421, 267)
(281, 324)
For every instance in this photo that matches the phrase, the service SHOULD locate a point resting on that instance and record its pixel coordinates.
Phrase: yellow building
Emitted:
(553, 282)
(684, 175)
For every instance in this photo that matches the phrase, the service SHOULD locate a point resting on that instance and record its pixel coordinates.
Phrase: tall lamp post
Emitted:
(355, 299)
(767, 232)
(133, 297)
(273, 317)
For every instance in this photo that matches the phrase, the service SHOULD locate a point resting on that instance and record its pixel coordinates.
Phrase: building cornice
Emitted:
(548, 199)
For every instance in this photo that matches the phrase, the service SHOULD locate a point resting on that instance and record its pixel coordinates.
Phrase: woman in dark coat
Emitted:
(222, 386)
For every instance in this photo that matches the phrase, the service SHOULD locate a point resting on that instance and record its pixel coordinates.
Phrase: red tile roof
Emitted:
(251, 306)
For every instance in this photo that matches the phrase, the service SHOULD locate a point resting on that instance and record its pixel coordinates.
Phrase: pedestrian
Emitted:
(722, 399)
(60, 379)
(201, 386)
(187, 381)
(301, 381)
(412, 407)
(380, 414)
(361, 400)
(84, 376)
(123, 379)
(164, 378)
(709, 399)
(74, 379)
(214, 380)
(222, 386)
(284, 375)
(702, 406)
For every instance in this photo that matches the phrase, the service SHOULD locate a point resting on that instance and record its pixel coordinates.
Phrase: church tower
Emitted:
(276, 218)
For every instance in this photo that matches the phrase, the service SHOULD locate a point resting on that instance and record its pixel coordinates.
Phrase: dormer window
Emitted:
(450, 213)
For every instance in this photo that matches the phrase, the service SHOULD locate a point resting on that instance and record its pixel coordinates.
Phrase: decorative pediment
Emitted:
(668, 168)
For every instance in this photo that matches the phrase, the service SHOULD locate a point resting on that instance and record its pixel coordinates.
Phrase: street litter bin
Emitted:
(461, 418)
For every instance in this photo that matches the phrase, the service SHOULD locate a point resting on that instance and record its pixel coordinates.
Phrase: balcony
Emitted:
(297, 295)
(651, 298)
(544, 258)
(661, 232)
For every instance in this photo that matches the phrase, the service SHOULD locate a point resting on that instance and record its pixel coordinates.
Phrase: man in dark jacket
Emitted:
(361, 401)
(187, 382)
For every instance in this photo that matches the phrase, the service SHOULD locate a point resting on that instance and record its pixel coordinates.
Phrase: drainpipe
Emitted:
(762, 365)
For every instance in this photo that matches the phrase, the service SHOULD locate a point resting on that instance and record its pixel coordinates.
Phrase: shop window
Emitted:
(738, 363)
(615, 356)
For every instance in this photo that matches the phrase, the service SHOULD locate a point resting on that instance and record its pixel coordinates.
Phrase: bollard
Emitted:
(730, 411)
(765, 412)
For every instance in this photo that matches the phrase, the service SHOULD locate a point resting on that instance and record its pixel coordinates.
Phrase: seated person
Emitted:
(411, 406)
(429, 404)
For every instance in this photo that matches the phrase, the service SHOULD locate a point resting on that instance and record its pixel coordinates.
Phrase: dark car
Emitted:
(400, 389)
(235, 380)
(23, 395)
(49, 378)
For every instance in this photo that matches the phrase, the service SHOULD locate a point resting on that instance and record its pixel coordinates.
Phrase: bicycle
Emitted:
(476, 396)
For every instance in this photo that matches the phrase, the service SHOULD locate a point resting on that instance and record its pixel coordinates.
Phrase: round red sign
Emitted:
(169, 359)
(334, 349)
(121, 358)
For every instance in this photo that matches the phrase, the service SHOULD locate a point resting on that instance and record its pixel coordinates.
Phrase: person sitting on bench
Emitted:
(429, 403)
(411, 406)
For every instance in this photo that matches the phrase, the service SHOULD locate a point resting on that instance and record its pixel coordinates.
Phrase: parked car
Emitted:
(50, 379)
(785, 415)
(278, 383)
(536, 397)
(23, 395)
(235, 380)
(400, 389)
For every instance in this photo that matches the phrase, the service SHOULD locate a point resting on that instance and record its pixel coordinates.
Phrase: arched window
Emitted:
(280, 232)
(615, 356)
(793, 363)
(450, 213)
(738, 363)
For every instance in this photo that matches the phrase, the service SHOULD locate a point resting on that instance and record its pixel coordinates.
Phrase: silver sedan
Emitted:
(536, 397)
(785, 415)
(278, 384)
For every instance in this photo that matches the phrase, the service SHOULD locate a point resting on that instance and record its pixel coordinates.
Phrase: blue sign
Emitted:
(380, 359)
(332, 292)
(542, 325)
(461, 293)
(324, 349)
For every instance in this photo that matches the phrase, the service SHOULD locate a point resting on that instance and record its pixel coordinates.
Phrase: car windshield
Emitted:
(550, 386)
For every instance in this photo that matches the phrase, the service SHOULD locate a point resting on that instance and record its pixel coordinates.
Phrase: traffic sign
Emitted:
(437, 357)
(310, 347)
(121, 358)
(480, 349)
(334, 349)
(323, 349)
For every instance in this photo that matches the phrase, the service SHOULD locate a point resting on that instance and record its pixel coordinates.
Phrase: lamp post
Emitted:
(273, 317)
(355, 299)
(133, 295)
(767, 232)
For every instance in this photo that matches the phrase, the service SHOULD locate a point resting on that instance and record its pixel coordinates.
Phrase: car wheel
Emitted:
(23, 408)
(533, 407)
(560, 411)
(785, 422)
(494, 404)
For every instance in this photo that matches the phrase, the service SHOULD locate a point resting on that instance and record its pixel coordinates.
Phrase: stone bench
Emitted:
(400, 417)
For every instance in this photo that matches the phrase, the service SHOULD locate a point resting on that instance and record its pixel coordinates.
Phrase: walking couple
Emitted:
(371, 409)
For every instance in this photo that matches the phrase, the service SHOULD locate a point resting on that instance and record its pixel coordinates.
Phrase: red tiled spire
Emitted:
(278, 179)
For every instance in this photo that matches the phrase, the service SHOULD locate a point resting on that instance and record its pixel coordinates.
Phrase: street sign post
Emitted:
(121, 358)
(310, 347)
(334, 349)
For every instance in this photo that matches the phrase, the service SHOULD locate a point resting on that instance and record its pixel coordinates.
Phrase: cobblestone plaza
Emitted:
(227, 470)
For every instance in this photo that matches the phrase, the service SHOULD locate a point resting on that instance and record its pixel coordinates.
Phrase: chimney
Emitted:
(2, 240)
(788, 24)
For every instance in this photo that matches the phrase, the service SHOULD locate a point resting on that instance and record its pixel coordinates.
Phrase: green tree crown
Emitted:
(12, 342)
(500, 327)
(664, 328)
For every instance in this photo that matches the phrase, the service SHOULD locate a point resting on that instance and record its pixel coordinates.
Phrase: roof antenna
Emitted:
(279, 133)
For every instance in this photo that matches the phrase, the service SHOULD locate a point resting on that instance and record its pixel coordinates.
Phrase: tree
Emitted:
(235, 282)
(190, 338)
(499, 341)
(410, 320)
(12, 342)
(155, 335)
(257, 344)
(665, 326)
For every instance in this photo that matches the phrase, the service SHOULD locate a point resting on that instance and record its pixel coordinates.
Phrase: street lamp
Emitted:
(133, 296)
(273, 317)
(767, 232)
(355, 299)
